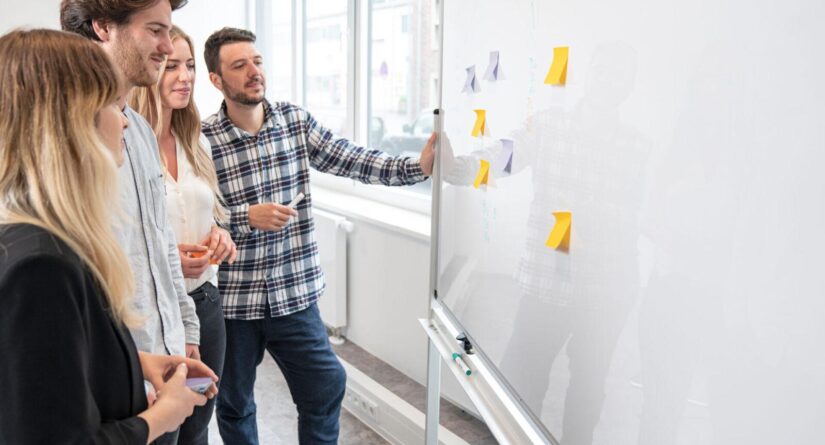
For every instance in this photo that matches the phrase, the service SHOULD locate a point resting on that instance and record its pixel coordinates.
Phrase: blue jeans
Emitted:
(195, 430)
(299, 345)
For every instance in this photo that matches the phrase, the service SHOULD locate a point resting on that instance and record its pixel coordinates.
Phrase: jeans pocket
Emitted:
(213, 294)
(207, 292)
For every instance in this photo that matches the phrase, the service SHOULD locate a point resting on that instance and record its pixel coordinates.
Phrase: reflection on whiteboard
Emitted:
(682, 302)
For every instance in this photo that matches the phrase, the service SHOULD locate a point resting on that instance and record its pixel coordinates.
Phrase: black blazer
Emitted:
(68, 373)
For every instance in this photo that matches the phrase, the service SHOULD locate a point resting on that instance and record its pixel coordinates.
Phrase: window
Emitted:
(275, 30)
(326, 58)
(405, 23)
(365, 69)
(403, 65)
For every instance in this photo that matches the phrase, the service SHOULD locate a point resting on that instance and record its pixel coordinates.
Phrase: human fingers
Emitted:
(198, 368)
(289, 211)
(234, 255)
(211, 392)
(192, 249)
(194, 267)
(224, 247)
(196, 262)
(214, 240)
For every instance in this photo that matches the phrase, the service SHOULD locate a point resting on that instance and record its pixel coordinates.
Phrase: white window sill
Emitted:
(414, 224)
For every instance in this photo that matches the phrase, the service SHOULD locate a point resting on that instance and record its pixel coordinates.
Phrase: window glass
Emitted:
(403, 76)
(326, 58)
(275, 35)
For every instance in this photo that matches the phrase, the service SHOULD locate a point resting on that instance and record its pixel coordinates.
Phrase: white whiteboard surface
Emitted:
(688, 143)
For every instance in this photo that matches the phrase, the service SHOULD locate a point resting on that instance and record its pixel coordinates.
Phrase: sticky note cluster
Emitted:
(493, 73)
(504, 163)
(559, 238)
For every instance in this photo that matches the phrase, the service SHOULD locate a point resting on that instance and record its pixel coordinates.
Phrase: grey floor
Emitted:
(451, 417)
(277, 418)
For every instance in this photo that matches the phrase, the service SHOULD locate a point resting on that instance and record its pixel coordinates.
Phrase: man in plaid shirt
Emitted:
(262, 153)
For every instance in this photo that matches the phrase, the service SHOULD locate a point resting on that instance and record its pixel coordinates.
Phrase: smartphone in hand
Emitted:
(199, 384)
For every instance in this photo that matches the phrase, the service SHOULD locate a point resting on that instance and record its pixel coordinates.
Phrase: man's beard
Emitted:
(241, 97)
(134, 69)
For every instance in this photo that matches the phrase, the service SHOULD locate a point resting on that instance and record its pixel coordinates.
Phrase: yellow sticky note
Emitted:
(483, 174)
(558, 70)
(479, 127)
(559, 238)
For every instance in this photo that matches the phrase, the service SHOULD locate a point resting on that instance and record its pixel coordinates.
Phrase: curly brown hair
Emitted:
(77, 15)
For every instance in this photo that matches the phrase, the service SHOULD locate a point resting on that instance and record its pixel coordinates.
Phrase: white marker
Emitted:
(296, 200)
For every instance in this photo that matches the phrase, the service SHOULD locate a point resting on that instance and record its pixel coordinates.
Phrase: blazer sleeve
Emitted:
(44, 373)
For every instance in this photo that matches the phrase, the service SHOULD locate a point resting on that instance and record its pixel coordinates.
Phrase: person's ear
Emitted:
(216, 81)
(103, 30)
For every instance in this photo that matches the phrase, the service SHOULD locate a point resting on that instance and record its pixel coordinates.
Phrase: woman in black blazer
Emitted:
(69, 371)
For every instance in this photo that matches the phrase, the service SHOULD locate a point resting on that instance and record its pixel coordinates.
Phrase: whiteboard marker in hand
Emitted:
(295, 201)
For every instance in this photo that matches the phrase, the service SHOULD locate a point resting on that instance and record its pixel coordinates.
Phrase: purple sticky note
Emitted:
(505, 159)
(494, 68)
(471, 84)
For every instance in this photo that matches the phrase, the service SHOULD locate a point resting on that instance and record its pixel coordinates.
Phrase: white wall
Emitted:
(31, 14)
(387, 282)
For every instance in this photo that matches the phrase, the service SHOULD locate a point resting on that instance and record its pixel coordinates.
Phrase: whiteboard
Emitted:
(687, 144)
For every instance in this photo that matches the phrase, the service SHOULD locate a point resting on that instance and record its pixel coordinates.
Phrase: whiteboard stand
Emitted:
(508, 420)
(433, 355)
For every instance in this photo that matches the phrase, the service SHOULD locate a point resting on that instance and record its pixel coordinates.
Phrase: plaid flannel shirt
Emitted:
(282, 269)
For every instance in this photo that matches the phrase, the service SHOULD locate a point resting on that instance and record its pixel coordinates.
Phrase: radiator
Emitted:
(331, 234)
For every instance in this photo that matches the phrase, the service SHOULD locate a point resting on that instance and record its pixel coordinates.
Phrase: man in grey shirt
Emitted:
(137, 38)
(136, 35)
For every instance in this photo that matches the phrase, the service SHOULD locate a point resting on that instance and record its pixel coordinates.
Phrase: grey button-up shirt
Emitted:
(149, 243)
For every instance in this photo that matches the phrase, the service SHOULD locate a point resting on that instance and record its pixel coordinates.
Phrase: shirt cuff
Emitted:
(413, 172)
(193, 336)
(239, 219)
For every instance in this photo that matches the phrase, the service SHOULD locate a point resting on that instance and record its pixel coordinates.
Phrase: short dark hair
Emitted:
(212, 47)
(77, 15)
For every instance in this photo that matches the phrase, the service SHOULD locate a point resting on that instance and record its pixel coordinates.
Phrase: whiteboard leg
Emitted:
(433, 393)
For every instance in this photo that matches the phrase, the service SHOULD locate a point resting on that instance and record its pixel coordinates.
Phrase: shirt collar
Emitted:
(227, 125)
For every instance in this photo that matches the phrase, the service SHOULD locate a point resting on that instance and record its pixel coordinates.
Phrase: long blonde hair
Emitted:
(186, 125)
(55, 172)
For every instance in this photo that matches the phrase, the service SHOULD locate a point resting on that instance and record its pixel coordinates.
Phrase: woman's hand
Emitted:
(174, 404)
(220, 243)
(158, 369)
(194, 260)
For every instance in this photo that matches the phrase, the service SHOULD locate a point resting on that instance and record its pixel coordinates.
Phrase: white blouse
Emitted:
(189, 206)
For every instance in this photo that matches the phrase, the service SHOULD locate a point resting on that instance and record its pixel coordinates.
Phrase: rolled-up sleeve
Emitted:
(340, 157)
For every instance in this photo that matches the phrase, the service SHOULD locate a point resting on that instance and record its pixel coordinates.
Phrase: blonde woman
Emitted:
(70, 371)
(193, 203)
